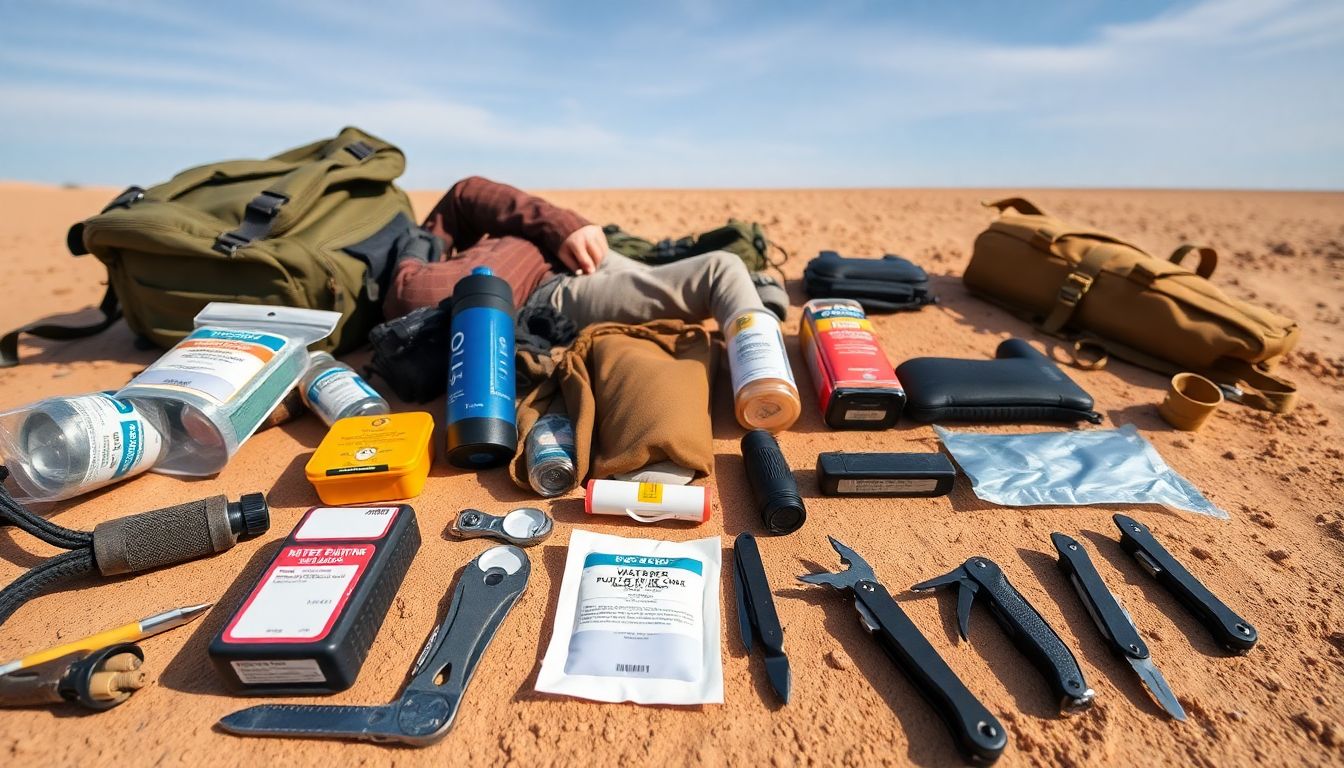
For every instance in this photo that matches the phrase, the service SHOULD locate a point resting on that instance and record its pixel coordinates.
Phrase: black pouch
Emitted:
(1021, 384)
(888, 284)
(410, 353)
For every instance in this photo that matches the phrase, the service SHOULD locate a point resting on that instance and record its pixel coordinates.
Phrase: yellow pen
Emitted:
(127, 633)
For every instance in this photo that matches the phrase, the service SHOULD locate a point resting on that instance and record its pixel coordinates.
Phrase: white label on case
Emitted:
(263, 671)
(346, 523)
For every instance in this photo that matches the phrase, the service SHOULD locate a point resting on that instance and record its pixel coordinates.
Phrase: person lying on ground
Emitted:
(552, 255)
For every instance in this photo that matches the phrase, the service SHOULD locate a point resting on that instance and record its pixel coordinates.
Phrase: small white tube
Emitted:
(647, 502)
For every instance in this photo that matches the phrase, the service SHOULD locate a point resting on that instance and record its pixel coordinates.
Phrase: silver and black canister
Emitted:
(772, 483)
(482, 419)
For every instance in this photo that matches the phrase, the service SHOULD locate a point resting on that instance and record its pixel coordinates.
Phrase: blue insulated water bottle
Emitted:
(482, 419)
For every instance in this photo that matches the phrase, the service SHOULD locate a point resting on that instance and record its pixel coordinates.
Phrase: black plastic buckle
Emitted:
(267, 204)
(229, 242)
(359, 149)
(258, 217)
(129, 196)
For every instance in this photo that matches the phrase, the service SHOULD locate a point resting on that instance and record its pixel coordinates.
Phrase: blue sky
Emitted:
(1207, 93)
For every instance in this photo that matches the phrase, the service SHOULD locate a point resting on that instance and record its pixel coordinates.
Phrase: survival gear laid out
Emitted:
(977, 733)
(1102, 292)
(888, 284)
(318, 227)
(746, 239)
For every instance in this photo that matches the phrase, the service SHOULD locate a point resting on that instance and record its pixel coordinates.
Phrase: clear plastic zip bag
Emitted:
(1095, 466)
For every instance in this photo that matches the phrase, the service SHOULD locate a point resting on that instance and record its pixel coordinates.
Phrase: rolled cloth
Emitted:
(637, 394)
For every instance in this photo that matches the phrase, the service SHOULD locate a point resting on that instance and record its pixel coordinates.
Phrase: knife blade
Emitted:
(1157, 686)
(757, 616)
(1112, 620)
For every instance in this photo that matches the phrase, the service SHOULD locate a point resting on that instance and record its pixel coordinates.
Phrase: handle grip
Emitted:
(978, 734)
(178, 533)
(1105, 609)
(1230, 630)
(1030, 632)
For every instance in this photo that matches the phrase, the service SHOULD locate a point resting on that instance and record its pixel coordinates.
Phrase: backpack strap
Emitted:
(1208, 258)
(1077, 284)
(258, 219)
(109, 306)
(1250, 384)
(9, 343)
(1020, 204)
(1242, 382)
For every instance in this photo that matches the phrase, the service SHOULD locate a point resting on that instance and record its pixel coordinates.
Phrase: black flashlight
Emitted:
(772, 483)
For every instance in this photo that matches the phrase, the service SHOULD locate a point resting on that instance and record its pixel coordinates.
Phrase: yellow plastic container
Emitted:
(373, 458)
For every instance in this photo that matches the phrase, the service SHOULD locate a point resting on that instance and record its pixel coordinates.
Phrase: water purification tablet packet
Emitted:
(638, 620)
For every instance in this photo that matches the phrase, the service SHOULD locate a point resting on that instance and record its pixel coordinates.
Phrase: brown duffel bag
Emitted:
(1112, 297)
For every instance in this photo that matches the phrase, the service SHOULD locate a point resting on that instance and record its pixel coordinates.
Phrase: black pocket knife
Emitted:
(756, 617)
(1114, 622)
(486, 591)
(1232, 632)
(1028, 630)
(978, 733)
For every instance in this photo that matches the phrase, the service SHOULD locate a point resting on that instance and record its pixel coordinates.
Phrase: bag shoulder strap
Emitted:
(1241, 381)
(1208, 258)
(1078, 282)
(9, 343)
(1019, 204)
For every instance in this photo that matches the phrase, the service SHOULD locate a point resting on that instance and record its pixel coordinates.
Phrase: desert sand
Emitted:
(1277, 561)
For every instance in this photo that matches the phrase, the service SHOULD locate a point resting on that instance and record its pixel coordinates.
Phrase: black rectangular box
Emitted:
(307, 625)
(910, 475)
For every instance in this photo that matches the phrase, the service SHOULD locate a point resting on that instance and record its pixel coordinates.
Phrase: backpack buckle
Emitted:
(258, 217)
(267, 204)
(1074, 288)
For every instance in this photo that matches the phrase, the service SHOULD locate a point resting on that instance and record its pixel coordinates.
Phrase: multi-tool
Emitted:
(1232, 632)
(1024, 625)
(977, 733)
(487, 589)
(1114, 622)
(524, 526)
(756, 615)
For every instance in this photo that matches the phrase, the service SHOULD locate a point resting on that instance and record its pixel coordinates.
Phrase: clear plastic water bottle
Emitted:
(64, 446)
(334, 391)
(551, 455)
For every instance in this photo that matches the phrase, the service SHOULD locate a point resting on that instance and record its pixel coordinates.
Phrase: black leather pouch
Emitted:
(888, 284)
(1020, 384)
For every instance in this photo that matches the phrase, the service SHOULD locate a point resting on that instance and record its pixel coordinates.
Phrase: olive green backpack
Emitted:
(745, 238)
(318, 226)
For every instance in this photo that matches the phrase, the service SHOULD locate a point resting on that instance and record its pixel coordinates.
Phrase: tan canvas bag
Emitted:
(1109, 295)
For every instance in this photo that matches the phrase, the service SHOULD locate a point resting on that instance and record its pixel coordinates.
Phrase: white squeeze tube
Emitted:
(637, 620)
(217, 385)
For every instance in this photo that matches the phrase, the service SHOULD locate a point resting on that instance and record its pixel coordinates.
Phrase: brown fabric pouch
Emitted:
(637, 394)
(1108, 295)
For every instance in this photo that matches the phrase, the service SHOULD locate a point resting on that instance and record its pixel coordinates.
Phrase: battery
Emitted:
(307, 624)
(909, 475)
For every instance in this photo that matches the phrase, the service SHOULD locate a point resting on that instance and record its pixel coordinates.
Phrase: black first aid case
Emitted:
(307, 624)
